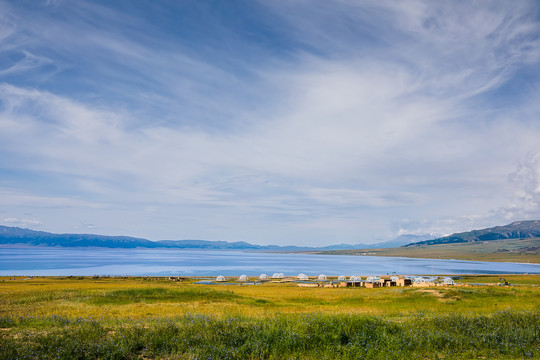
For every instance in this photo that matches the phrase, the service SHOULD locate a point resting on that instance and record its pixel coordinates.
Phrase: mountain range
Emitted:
(15, 235)
(19, 236)
(515, 230)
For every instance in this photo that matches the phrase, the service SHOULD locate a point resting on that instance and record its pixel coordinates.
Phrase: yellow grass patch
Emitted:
(116, 298)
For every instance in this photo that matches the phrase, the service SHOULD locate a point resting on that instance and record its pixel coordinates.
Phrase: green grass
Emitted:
(506, 334)
(138, 298)
(159, 294)
(68, 318)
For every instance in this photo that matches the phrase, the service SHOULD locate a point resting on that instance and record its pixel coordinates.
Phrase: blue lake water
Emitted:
(39, 261)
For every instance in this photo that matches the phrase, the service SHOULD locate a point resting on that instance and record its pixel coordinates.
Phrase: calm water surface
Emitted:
(159, 262)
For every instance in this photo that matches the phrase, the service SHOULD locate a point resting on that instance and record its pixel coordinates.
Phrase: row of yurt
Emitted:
(303, 276)
(323, 277)
(244, 278)
(393, 281)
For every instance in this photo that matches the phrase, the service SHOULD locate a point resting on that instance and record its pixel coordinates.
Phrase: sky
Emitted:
(287, 122)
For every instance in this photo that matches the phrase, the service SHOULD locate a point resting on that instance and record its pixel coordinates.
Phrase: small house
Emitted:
(372, 285)
(403, 282)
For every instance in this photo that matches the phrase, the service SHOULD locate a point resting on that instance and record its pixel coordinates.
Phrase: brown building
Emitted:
(403, 282)
(372, 285)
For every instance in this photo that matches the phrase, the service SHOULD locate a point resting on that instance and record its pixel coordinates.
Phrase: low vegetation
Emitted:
(84, 318)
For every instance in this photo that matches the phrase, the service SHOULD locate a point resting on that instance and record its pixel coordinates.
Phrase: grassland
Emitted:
(513, 250)
(113, 318)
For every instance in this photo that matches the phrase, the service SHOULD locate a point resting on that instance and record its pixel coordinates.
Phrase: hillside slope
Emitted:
(507, 250)
(15, 235)
(515, 230)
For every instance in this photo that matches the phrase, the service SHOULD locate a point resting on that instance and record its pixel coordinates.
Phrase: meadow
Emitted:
(115, 318)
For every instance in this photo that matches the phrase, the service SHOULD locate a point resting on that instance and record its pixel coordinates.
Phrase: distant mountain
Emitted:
(400, 241)
(515, 230)
(207, 244)
(15, 235)
(397, 242)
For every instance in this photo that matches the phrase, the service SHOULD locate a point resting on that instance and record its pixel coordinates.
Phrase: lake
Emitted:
(42, 261)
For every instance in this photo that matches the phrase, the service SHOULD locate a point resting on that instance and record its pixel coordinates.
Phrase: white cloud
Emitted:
(22, 222)
(524, 202)
(28, 62)
(15, 197)
(359, 198)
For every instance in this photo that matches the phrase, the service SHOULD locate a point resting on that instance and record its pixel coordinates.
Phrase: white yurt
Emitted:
(302, 276)
(448, 281)
(353, 278)
(263, 277)
(220, 278)
(243, 278)
(281, 275)
(372, 278)
(322, 277)
(341, 278)
(394, 278)
(419, 280)
(278, 276)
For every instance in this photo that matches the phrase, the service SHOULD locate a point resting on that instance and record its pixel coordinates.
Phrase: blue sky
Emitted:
(272, 122)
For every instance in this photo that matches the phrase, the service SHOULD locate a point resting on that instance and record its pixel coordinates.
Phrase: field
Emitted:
(66, 318)
(513, 250)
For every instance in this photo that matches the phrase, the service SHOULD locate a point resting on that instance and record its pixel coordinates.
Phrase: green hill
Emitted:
(507, 250)
(515, 230)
